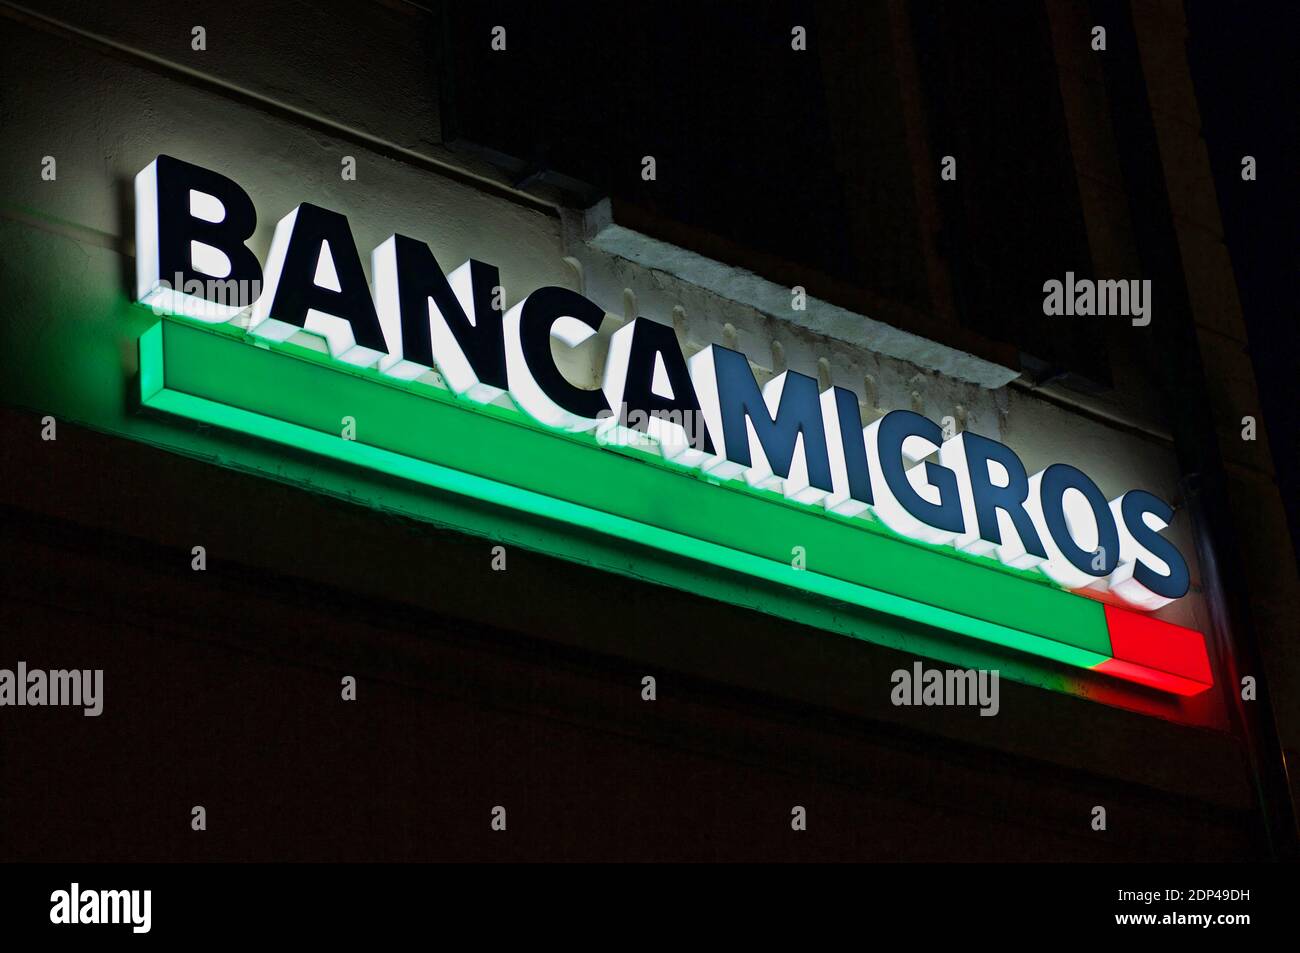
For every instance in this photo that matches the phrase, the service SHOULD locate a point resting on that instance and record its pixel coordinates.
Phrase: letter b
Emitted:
(190, 227)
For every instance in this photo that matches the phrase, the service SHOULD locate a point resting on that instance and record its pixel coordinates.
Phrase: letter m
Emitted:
(763, 430)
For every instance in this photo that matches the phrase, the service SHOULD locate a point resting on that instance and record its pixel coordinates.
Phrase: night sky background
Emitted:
(1246, 68)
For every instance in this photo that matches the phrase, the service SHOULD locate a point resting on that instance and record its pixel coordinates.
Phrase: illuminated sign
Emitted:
(646, 456)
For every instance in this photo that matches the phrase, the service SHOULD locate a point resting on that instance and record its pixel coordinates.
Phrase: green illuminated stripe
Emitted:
(496, 455)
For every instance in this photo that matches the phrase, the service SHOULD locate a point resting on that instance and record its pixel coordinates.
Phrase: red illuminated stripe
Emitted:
(1160, 654)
